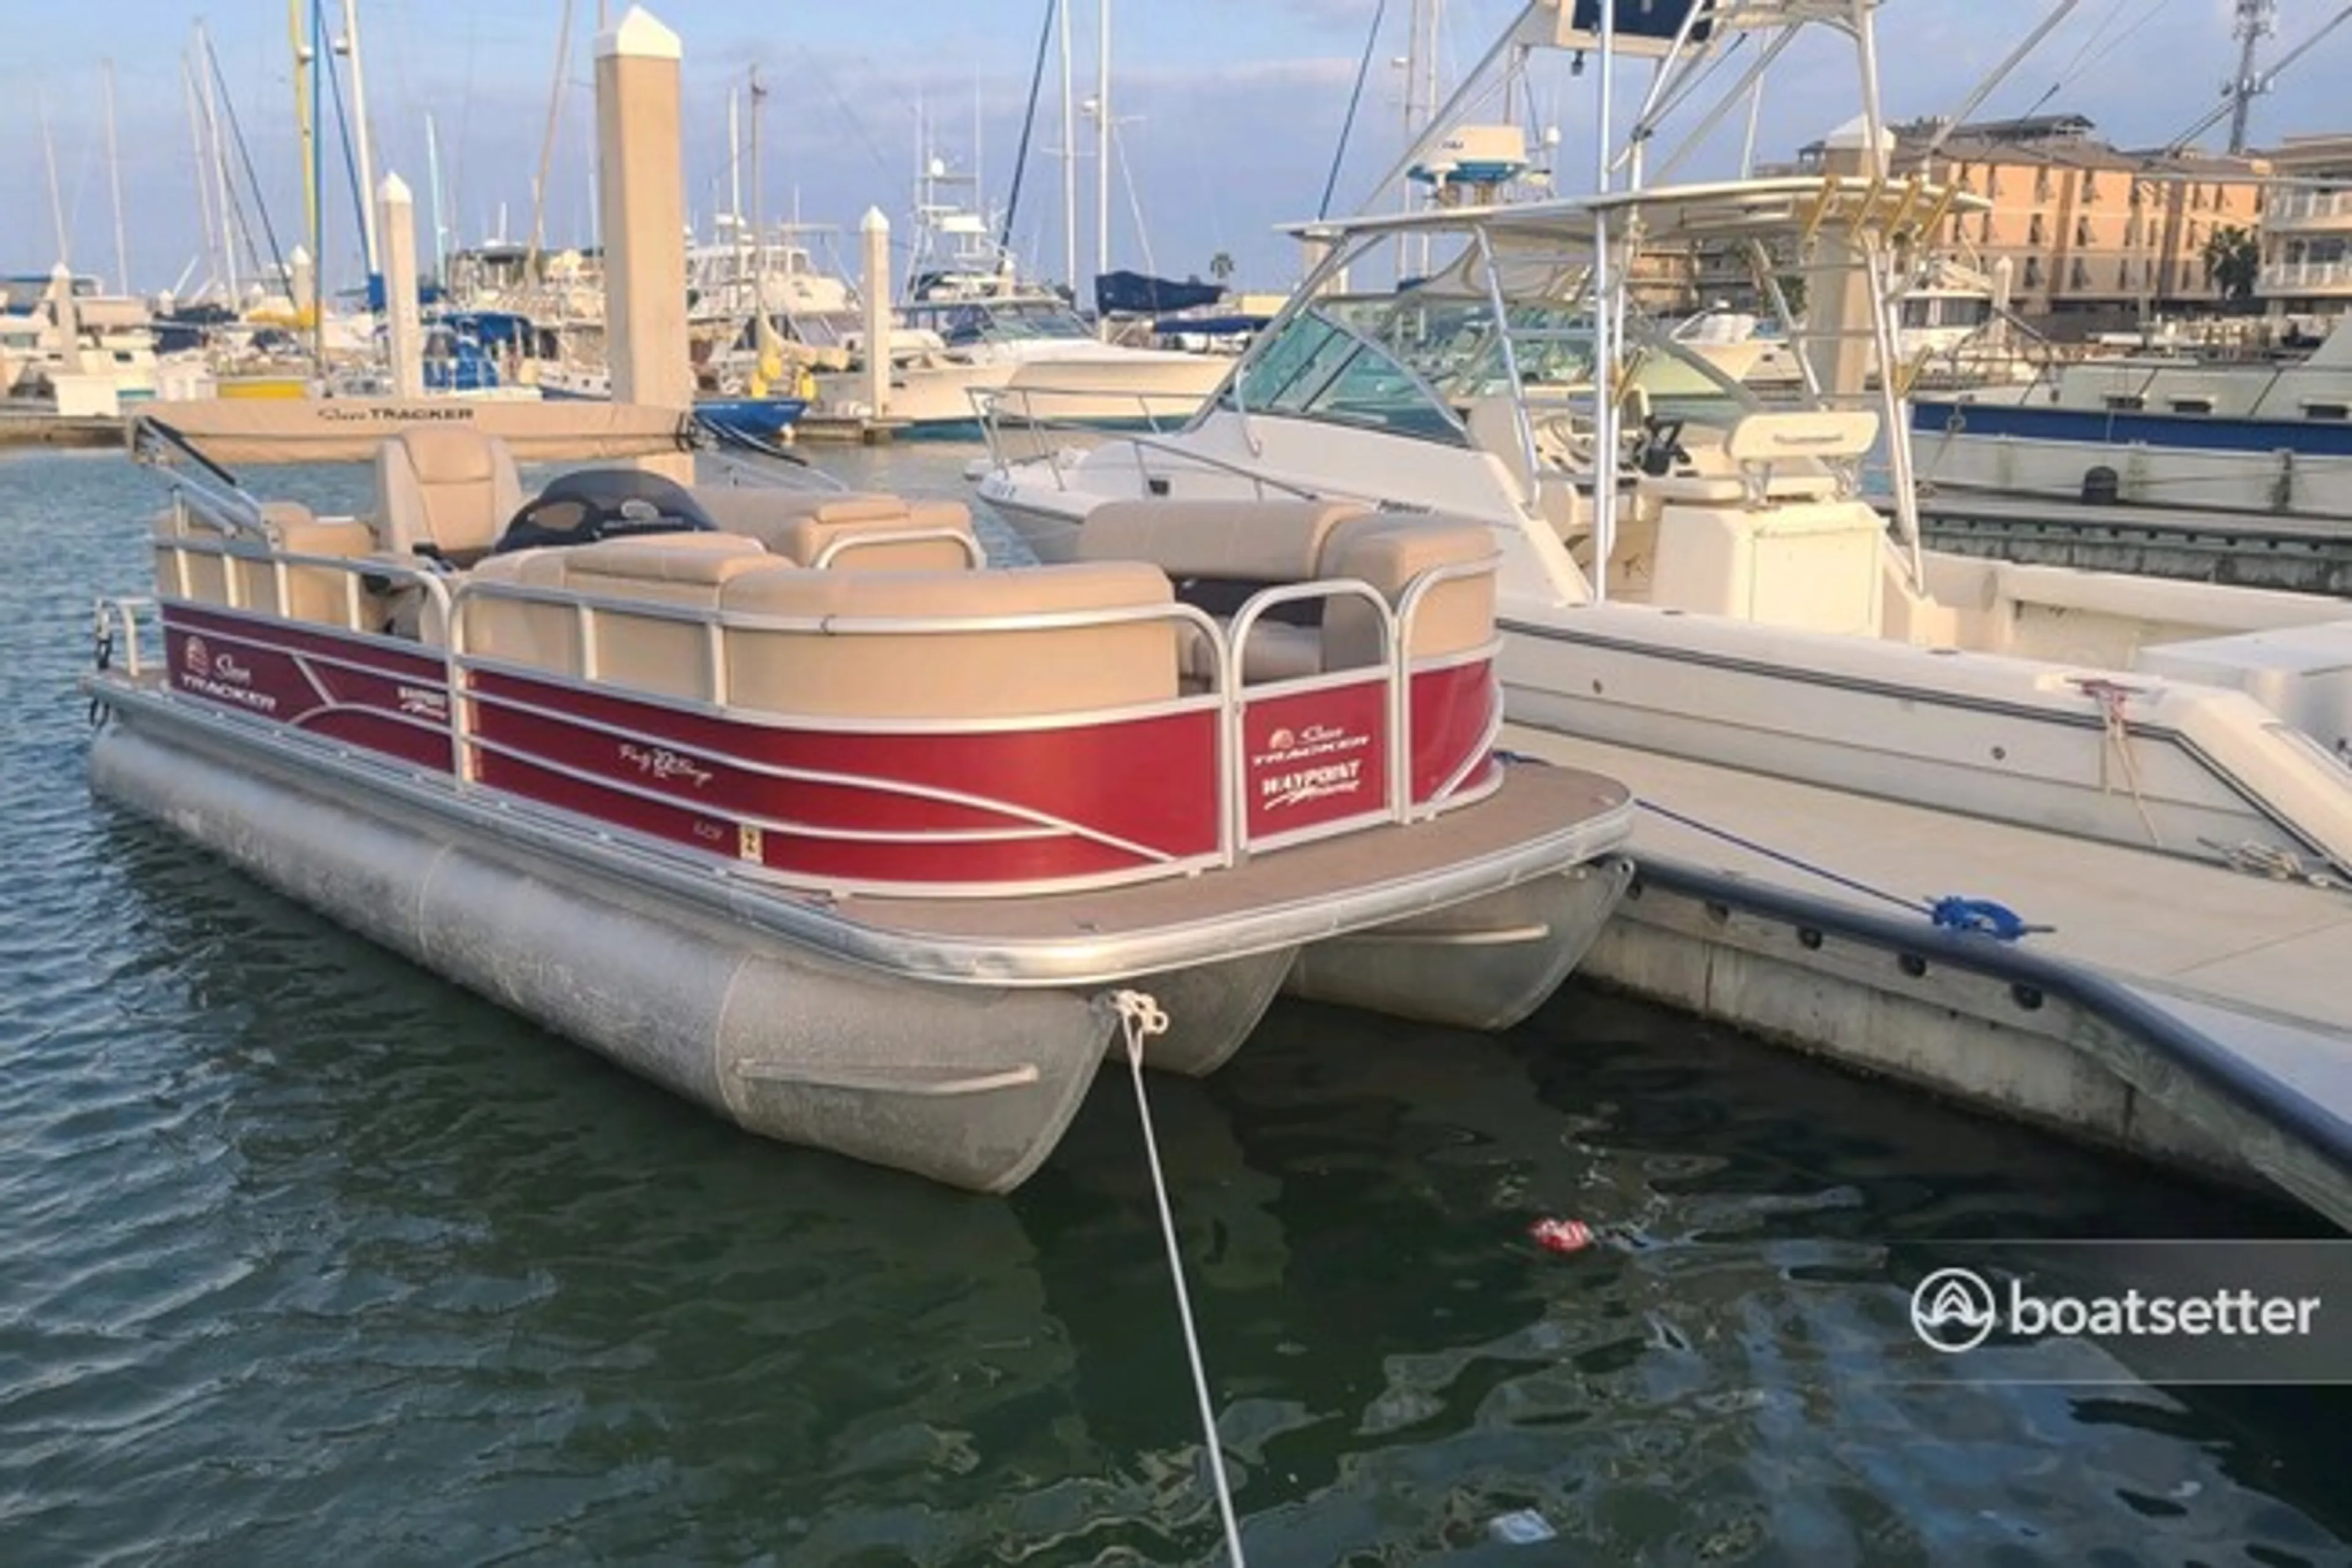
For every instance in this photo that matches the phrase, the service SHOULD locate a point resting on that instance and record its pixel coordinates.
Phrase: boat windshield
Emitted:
(998, 321)
(1411, 363)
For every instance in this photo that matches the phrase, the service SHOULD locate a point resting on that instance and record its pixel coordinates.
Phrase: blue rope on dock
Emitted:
(1950, 913)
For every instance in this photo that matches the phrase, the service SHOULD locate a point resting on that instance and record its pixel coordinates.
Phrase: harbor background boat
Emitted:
(310, 1253)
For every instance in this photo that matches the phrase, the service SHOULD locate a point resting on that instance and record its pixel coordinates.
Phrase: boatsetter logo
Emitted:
(2190, 1312)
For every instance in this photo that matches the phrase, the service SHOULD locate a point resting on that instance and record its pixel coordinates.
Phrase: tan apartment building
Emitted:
(2307, 228)
(2094, 236)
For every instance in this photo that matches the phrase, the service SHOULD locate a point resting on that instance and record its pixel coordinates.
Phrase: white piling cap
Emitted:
(640, 36)
(392, 188)
(873, 221)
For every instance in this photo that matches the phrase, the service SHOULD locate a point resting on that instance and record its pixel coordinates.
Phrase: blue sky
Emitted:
(1237, 106)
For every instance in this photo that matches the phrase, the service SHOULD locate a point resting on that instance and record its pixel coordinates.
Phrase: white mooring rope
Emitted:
(1140, 1018)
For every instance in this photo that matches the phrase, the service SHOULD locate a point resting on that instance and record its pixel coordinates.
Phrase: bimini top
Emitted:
(350, 430)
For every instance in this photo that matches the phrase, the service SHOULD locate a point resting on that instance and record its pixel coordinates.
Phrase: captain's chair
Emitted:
(444, 491)
(1492, 424)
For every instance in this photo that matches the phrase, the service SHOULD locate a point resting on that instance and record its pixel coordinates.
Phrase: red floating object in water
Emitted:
(1561, 1235)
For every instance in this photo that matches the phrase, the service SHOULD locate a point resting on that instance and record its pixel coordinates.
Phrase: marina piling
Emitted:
(874, 241)
(396, 239)
(640, 192)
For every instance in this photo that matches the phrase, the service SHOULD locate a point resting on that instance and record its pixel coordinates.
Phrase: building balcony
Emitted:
(2308, 209)
(2295, 280)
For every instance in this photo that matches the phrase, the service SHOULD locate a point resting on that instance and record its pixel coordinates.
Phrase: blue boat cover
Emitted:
(1660, 21)
(1138, 294)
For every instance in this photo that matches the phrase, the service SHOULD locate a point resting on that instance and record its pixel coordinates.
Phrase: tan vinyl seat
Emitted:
(444, 490)
(653, 652)
(1250, 542)
(1234, 541)
(811, 669)
(954, 674)
(235, 569)
(1387, 553)
(851, 530)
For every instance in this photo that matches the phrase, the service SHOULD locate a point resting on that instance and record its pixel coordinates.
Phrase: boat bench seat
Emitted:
(236, 571)
(667, 654)
(851, 531)
(1220, 552)
(2166, 609)
(1254, 542)
(954, 673)
(822, 667)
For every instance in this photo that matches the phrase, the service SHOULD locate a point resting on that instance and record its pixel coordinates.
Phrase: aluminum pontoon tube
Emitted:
(969, 1086)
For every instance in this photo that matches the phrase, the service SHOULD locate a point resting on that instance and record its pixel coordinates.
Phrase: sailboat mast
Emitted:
(210, 88)
(1069, 157)
(49, 156)
(1102, 139)
(303, 127)
(366, 151)
(759, 213)
(203, 183)
(318, 188)
(114, 180)
(1407, 199)
(433, 179)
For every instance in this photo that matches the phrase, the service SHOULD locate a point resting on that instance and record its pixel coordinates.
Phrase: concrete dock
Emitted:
(34, 427)
(2193, 1014)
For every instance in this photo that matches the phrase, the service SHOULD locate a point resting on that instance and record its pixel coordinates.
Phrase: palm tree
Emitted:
(2233, 260)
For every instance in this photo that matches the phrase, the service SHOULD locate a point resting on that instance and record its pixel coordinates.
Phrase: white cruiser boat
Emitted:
(781, 800)
(1698, 574)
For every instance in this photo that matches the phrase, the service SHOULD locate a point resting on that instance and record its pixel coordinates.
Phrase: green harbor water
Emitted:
(308, 1257)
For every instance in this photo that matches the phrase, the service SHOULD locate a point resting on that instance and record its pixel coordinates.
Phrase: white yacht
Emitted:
(1726, 593)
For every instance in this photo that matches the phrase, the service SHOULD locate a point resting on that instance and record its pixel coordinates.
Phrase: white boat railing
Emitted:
(1002, 459)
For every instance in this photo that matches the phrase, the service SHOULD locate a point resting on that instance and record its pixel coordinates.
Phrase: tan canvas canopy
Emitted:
(235, 432)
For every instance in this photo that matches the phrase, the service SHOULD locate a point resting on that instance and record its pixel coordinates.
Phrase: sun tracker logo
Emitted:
(197, 657)
(1953, 1310)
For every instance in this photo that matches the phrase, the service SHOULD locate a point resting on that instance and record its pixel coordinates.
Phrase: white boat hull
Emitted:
(2183, 479)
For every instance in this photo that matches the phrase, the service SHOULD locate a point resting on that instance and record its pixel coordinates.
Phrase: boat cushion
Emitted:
(444, 490)
(323, 595)
(1248, 540)
(1389, 552)
(668, 654)
(819, 667)
(542, 636)
(863, 531)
